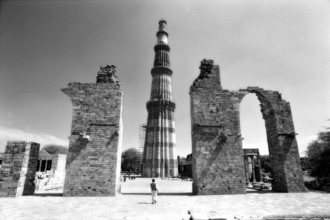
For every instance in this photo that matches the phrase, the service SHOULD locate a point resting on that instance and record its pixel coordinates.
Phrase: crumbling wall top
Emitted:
(209, 76)
(107, 74)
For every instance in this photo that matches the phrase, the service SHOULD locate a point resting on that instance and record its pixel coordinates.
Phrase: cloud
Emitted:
(14, 134)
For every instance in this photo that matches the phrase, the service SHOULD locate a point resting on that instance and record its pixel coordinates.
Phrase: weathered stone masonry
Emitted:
(18, 169)
(94, 157)
(218, 166)
(281, 138)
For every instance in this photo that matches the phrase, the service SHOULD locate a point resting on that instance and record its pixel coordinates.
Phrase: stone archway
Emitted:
(282, 143)
(218, 166)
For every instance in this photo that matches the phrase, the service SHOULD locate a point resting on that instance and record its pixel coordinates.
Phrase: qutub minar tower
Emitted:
(159, 155)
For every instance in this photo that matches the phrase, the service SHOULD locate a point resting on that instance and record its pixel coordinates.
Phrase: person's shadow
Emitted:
(144, 203)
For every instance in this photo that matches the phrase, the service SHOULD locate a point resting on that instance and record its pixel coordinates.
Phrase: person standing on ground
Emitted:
(154, 191)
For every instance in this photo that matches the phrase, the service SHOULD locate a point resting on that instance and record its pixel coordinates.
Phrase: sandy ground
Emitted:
(173, 203)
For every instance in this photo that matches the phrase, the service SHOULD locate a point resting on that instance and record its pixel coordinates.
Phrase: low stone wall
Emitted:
(18, 169)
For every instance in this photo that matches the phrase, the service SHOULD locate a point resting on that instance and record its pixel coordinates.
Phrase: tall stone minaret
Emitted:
(159, 155)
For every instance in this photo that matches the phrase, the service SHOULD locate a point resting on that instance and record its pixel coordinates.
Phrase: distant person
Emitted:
(154, 191)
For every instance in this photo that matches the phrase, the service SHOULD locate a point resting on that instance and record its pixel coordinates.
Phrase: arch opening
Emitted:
(252, 124)
(254, 143)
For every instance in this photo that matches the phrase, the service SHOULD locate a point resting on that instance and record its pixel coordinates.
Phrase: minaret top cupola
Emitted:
(162, 49)
(162, 33)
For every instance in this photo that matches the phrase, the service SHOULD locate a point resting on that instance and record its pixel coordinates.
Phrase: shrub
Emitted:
(318, 153)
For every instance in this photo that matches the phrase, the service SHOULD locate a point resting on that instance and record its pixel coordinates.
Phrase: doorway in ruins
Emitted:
(257, 168)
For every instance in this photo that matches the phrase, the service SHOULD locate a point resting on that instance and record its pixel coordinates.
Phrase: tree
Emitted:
(55, 149)
(265, 164)
(305, 165)
(130, 160)
(319, 155)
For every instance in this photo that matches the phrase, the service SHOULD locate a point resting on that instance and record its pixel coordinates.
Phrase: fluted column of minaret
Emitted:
(159, 156)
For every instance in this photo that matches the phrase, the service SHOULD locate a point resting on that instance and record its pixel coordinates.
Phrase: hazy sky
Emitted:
(277, 45)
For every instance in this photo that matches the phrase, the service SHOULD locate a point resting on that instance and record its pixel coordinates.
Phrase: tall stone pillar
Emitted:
(218, 166)
(94, 157)
(159, 156)
(18, 169)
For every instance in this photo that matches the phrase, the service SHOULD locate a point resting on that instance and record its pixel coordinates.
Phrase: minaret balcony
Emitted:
(161, 32)
(159, 47)
(159, 104)
(161, 70)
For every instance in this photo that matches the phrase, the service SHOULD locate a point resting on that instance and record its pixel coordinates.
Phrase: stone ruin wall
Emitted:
(282, 144)
(53, 179)
(94, 157)
(218, 165)
(18, 169)
(58, 163)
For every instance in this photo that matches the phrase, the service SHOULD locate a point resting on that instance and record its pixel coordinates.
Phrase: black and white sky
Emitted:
(277, 45)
